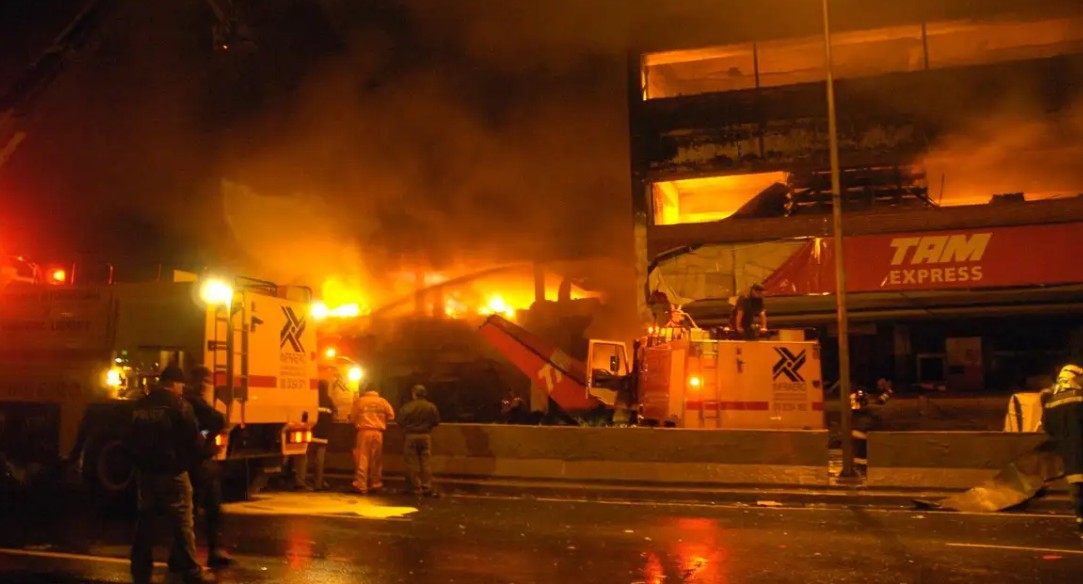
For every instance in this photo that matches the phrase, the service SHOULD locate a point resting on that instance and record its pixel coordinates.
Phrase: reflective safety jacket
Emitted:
(1062, 418)
(371, 412)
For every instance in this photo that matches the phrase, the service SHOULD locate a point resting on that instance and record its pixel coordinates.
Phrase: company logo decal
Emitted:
(292, 330)
(789, 365)
(937, 259)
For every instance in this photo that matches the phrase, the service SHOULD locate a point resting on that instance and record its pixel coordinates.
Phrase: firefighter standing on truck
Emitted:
(370, 415)
(417, 419)
(750, 312)
(164, 442)
(1062, 418)
(206, 473)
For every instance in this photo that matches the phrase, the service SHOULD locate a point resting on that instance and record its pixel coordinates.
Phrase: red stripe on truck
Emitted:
(263, 381)
(728, 405)
(53, 355)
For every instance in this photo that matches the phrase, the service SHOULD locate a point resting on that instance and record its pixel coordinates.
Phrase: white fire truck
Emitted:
(679, 376)
(73, 358)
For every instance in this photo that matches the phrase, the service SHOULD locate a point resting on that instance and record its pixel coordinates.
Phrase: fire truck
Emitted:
(678, 376)
(74, 358)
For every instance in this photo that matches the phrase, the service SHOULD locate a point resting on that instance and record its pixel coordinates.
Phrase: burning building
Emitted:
(960, 128)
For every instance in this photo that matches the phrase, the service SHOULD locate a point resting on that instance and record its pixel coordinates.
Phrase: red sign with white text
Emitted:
(973, 258)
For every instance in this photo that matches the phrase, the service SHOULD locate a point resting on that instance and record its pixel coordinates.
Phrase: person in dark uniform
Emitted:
(164, 442)
(320, 434)
(749, 313)
(1062, 418)
(206, 474)
(417, 419)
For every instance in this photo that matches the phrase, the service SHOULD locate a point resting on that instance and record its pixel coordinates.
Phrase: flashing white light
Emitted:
(355, 374)
(113, 378)
(346, 311)
(319, 311)
(216, 292)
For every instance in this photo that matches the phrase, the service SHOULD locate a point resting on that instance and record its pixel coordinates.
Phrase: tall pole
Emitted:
(840, 264)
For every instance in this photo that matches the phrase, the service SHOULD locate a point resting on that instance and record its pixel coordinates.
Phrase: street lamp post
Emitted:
(840, 266)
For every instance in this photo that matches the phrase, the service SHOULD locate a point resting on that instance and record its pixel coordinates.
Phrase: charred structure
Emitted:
(955, 121)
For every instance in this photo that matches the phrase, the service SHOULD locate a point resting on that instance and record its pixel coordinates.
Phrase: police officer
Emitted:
(206, 474)
(1062, 418)
(164, 442)
(320, 434)
(417, 419)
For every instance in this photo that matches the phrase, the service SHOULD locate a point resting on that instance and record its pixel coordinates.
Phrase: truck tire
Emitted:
(113, 469)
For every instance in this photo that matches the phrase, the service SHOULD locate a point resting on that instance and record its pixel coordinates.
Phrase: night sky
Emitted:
(411, 129)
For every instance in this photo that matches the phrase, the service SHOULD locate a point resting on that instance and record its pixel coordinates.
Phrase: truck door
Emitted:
(607, 369)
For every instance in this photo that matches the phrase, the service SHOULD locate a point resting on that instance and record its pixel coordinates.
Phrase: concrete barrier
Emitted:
(951, 460)
(643, 455)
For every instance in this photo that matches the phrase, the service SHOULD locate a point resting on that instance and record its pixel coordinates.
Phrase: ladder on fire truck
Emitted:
(228, 386)
(224, 353)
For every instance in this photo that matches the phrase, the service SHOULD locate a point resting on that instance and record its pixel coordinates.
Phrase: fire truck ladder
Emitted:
(224, 357)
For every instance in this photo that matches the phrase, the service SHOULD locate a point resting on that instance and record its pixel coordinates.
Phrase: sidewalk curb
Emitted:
(843, 496)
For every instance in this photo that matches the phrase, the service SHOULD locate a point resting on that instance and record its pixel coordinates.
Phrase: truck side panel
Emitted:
(282, 366)
(55, 346)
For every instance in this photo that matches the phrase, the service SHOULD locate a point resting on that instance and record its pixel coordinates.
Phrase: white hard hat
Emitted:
(1070, 377)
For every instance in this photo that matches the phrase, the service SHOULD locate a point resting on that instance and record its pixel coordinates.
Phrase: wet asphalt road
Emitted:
(345, 539)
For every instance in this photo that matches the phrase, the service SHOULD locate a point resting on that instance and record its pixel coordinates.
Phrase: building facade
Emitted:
(960, 129)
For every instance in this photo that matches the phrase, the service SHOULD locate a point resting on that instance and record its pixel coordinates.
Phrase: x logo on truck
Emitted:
(292, 331)
(788, 364)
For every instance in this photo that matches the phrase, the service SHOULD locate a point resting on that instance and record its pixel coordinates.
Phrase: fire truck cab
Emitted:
(74, 358)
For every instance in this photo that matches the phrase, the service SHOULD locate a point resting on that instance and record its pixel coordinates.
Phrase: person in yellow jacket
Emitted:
(370, 415)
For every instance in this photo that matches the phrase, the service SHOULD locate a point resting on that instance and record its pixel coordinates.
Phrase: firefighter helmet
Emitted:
(1070, 377)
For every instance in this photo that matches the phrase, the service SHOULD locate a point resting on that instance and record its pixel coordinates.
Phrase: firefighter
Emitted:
(320, 433)
(750, 312)
(206, 474)
(163, 441)
(417, 420)
(370, 415)
(1062, 418)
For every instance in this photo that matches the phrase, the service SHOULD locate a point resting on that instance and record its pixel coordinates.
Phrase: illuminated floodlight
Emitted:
(113, 378)
(355, 374)
(216, 291)
(330, 353)
(319, 310)
(695, 382)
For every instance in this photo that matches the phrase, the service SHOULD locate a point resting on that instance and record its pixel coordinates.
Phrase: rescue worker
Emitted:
(750, 312)
(1062, 418)
(320, 434)
(164, 442)
(417, 419)
(206, 474)
(370, 416)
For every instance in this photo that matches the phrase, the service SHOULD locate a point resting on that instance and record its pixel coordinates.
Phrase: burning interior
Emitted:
(908, 48)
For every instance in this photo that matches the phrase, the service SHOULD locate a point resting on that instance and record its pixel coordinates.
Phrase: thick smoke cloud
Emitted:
(446, 140)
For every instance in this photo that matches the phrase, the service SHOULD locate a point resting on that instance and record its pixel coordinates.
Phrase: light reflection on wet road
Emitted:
(302, 538)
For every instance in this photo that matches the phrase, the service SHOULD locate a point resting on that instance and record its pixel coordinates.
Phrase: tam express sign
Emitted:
(980, 258)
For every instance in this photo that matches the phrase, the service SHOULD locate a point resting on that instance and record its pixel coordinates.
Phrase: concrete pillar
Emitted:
(539, 282)
(438, 302)
(901, 351)
(419, 293)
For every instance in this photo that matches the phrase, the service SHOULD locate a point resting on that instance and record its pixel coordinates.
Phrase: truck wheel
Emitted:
(113, 469)
(106, 467)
